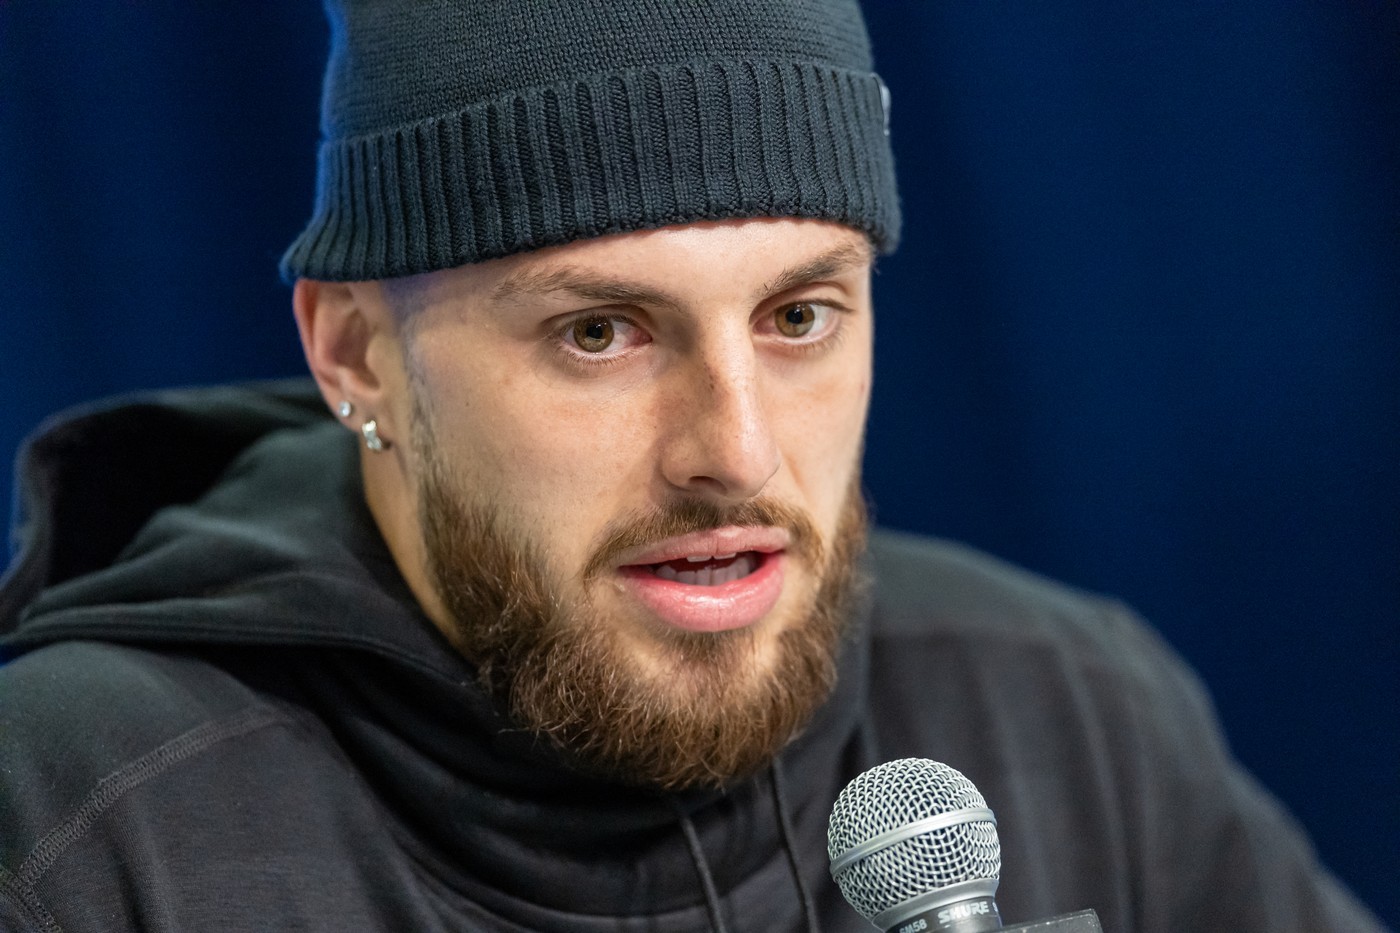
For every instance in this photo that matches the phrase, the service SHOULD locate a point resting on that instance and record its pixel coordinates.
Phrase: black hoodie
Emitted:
(225, 711)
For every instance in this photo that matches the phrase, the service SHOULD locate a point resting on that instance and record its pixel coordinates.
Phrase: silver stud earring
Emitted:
(346, 409)
(373, 441)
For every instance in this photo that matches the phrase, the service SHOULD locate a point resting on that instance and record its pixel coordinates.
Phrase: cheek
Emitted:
(563, 442)
(556, 463)
(822, 436)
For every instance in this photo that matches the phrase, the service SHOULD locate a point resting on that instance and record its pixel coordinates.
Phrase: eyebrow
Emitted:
(593, 288)
(828, 265)
(580, 283)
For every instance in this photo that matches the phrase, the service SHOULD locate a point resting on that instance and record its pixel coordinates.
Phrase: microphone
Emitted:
(914, 848)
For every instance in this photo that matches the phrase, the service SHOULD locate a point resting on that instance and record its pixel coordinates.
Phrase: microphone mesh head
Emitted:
(894, 795)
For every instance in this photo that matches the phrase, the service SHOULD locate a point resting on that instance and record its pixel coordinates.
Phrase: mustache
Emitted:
(691, 515)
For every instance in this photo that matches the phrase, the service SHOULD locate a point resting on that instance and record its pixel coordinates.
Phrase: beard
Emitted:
(714, 709)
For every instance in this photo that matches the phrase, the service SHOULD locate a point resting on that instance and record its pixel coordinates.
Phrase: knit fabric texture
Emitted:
(456, 131)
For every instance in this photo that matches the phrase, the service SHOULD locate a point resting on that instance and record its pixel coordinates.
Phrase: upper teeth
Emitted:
(701, 558)
(716, 574)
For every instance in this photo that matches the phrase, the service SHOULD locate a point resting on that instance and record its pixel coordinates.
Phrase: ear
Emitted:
(342, 325)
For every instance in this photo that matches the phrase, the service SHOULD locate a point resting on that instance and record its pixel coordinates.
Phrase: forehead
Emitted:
(762, 256)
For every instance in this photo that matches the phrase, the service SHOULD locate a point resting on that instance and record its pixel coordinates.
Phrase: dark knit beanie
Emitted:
(461, 130)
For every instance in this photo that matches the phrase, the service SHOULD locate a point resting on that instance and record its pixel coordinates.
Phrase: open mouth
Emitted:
(706, 584)
(709, 581)
(701, 570)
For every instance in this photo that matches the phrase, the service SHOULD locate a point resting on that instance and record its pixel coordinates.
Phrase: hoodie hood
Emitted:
(90, 478)
(212, 516)
(230, 524)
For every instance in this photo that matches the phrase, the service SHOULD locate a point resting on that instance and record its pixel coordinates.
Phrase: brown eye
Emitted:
(795, 321)
(593, 334)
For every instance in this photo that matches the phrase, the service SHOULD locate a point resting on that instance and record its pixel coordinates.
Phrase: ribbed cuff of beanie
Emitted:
(604, 154)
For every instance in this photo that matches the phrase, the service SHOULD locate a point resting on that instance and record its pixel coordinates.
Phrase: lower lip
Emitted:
(731, 605)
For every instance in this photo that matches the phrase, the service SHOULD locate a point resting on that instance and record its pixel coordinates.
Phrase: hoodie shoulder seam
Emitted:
(23, 899)
(115, 785)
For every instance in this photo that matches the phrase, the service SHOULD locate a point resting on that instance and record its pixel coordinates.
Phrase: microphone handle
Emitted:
(1081, 921)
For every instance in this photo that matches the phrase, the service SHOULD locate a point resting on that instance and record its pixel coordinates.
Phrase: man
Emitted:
(569, 619)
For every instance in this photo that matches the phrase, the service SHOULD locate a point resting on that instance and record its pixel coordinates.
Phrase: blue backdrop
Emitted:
(1143, 334)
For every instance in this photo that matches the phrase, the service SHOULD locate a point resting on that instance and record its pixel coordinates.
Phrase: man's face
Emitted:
(635, 461)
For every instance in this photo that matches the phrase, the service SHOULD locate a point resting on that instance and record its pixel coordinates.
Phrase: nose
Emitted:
(720, 443)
